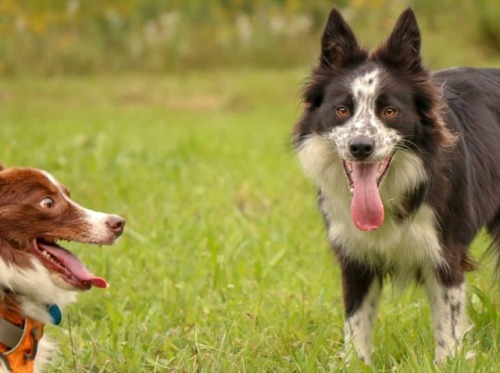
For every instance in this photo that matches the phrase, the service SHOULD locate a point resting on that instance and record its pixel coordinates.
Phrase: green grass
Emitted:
(224, 265)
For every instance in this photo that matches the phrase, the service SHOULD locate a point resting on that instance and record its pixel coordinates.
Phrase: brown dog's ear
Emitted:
(338, 43)
(2, 167)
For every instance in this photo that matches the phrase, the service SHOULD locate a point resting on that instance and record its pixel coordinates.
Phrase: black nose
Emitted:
(361, 147)
(116, 224)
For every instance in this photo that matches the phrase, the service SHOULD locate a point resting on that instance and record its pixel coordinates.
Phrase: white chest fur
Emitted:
(397, 246)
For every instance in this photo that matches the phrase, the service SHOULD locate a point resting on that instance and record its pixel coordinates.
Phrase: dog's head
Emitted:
(36, 212)
(364, 107)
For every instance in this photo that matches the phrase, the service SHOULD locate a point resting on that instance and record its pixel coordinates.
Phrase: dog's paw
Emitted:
(349, 354)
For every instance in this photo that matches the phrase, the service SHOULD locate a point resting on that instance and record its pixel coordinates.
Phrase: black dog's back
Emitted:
(472, 97)
(470, 92)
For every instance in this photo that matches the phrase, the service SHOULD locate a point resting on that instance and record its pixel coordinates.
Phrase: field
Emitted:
(224, 265)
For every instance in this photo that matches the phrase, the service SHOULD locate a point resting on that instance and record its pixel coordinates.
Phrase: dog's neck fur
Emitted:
(32, 288)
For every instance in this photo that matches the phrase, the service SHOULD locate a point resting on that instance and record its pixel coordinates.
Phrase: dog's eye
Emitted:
(342, 111)
(390, 112)
(47, 203)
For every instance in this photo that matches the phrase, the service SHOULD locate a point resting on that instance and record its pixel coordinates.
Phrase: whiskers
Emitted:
(407, 146)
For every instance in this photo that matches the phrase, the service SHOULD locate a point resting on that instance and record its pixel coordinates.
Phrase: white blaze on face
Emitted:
(365, 89)
(98, 222)
(364, 122)
(366, 127)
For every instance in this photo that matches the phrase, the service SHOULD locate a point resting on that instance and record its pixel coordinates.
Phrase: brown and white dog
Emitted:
(37, 276)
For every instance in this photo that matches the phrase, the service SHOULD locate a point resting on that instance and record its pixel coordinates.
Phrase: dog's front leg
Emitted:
(362, 288)
(448, 307)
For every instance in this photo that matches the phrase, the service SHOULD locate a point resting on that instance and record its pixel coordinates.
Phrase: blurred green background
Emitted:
(94, 36)
(177, 115)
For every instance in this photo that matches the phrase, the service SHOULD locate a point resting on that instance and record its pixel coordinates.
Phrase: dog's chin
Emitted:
(61, 282)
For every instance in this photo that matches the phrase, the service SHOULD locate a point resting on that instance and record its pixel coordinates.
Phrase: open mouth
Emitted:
(381, 167)
(364, 180)
(61, 261)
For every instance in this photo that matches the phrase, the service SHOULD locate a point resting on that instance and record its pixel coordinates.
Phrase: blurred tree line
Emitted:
(89, 36)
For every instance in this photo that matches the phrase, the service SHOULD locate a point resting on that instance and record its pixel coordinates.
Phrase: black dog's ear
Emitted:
(404, 41)
(338, 43)
(405, 37)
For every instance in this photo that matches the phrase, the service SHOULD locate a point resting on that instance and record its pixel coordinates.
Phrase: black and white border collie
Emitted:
(37, 275)
(407, 165)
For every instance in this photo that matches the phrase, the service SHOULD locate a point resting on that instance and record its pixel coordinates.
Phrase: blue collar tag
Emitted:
(55, 313)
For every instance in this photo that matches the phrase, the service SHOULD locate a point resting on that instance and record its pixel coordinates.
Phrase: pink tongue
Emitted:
(75, 266)
(366, 206)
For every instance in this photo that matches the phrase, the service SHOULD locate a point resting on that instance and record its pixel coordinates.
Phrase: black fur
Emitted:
(450, 120)
(472, 97)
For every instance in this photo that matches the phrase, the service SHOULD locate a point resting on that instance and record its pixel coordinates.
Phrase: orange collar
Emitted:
(19, 338)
